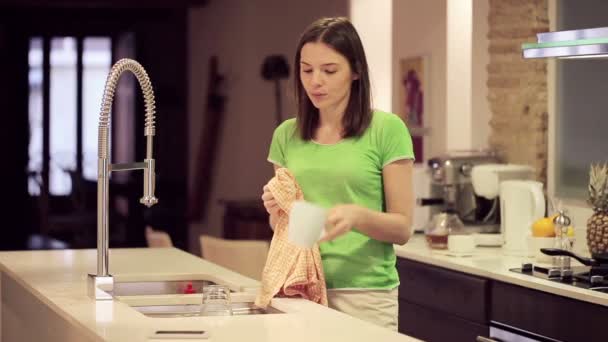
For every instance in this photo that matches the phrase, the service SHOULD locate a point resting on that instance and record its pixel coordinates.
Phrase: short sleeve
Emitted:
(278, 145)
(395, 141)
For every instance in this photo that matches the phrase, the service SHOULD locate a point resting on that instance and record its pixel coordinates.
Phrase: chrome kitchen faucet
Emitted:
(100, 285)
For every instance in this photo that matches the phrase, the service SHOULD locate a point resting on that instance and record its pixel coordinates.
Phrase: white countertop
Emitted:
(492, 262)
(58, 278)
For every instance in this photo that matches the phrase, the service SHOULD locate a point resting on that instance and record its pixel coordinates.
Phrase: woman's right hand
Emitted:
(269, 202)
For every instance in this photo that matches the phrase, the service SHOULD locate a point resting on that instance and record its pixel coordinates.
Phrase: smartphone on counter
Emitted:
(181, 334)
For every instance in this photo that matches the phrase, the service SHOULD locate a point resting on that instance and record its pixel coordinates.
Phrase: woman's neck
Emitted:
(330, 129)
(331, 118)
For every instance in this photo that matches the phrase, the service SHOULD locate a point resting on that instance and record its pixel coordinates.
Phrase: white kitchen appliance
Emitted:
(521, 203)
(486, 180)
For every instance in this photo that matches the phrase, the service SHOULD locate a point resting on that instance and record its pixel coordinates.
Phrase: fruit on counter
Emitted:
(543, 227)
(597, 225)
(570, 232)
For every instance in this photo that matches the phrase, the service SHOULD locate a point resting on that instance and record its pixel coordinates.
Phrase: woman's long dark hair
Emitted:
(341, 35)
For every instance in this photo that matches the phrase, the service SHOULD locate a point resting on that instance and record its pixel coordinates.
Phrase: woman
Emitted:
(353, 160)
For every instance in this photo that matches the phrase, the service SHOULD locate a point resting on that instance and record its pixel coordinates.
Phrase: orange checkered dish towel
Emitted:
(290, 270)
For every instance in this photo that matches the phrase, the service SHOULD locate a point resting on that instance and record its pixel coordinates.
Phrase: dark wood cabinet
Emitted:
(438, 304)
(433, 325)
(553, 316)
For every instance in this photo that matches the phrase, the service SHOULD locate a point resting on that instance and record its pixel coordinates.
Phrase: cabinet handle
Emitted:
(485, 339)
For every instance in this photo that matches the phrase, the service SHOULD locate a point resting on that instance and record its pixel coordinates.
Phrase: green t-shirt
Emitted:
(349, 171)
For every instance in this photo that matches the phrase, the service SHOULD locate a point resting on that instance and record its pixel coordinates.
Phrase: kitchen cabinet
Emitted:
(438, 304)
(546, 314)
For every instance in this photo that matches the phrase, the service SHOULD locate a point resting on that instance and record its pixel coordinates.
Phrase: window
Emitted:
(63, 116)
(97, 61)
(35, 114)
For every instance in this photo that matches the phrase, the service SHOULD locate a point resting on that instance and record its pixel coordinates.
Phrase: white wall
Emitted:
(241, 33)
(459, 42)
(481, 58)
(373, 21)
(420, 30)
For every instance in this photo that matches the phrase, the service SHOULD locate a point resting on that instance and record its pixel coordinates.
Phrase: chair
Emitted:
(246, 257)
(157, 238)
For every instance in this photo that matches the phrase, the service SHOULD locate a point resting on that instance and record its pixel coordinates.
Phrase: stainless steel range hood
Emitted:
(585, 43)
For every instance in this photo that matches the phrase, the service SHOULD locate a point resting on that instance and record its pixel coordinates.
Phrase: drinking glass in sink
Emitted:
(216, 301)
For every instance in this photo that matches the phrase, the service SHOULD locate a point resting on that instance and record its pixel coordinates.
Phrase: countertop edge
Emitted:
(500, 275)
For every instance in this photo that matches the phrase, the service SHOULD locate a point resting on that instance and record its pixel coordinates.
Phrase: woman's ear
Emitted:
(355, 76)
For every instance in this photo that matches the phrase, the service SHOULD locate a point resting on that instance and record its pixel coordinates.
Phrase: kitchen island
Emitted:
(44, 298)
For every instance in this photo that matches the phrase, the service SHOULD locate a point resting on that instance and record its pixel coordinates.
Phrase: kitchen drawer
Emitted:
(455, 293)
(546, 314)
(432, 325)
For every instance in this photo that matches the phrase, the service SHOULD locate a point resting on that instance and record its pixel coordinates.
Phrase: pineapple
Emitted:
(597, 225)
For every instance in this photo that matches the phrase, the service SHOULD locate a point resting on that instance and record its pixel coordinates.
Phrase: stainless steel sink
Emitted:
(148, 288)
(193, 310)
(147, 298)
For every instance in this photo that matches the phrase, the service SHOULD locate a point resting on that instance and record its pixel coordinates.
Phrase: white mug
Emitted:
(306, 223)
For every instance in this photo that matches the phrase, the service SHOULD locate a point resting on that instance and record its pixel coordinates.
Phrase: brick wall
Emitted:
(517, 87)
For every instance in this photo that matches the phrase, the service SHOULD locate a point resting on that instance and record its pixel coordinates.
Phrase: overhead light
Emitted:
(585, 43)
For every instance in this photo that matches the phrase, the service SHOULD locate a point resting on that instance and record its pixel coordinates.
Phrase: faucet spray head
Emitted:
(149, 180)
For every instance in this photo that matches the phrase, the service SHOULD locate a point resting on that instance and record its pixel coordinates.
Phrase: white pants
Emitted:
(380, 307)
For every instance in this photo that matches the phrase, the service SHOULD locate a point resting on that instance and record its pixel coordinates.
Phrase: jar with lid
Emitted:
(441, 226)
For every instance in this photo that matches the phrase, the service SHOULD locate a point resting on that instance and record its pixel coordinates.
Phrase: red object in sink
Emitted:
(189, 289)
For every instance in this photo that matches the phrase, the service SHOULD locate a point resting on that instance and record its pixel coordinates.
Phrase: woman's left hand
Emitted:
(341, 219)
